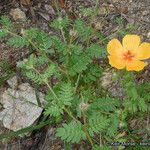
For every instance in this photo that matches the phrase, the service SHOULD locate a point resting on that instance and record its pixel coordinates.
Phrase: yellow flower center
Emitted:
(128, 56)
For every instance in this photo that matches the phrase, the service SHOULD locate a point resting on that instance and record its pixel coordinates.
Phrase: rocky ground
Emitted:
(39, 13)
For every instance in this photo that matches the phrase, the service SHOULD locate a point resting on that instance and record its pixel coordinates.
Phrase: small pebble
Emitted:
(18, 14)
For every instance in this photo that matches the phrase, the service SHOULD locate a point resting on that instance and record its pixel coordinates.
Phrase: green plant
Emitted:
(123, 28)
(6, 71)
(80, 110)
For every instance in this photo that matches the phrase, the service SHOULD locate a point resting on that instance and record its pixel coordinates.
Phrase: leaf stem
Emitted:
(77, 82)
(65, 109)
(62, 33)
(88, 136)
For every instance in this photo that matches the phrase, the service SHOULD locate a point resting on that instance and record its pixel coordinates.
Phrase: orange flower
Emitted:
(128, 54)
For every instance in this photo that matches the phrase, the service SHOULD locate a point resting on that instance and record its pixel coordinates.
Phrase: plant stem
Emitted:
(84, 118)
(77, 82)
(85, 129)
(65, 109)
(70, 114)
(100, 140)
(52, 91)
(62, 33)
(88, 136)
(103, 112)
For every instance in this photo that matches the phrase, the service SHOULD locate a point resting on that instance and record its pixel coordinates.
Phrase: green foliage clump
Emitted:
(6, 71)
(83, 31)
(58, 102)
(6, 22)
(134, 100)
(97, 123)
(121, 22)
(18, 42)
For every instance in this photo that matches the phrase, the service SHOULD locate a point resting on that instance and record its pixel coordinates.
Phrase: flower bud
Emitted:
(73, 33)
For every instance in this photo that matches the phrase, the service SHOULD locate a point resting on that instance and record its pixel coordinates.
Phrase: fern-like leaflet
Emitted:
(6, 22)
(97, 123)
(95, 51)
(53, 109)
(60, 23)
(3, 32)
(92, 74)
(66, 94)
(105, 104)
(83, 31)
(37, 78)
(113, 126)
(71, 132)
(18, 41)
(51, 69)
(78, 63)
(64, 98)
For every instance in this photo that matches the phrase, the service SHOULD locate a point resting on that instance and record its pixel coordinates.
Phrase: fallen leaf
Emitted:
(25, 2)
(62, 3)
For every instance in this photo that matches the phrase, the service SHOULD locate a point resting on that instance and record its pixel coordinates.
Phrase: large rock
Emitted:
(20, 106)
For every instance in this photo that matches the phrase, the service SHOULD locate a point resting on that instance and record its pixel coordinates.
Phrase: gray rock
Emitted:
(12, 82)
(49, 9)
(106, 79)
(20, 106)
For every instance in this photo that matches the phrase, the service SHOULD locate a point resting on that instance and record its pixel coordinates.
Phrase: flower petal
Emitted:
(144, 51)
(114, 47)
(135, 65)
(116, 62)
(131, 42)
